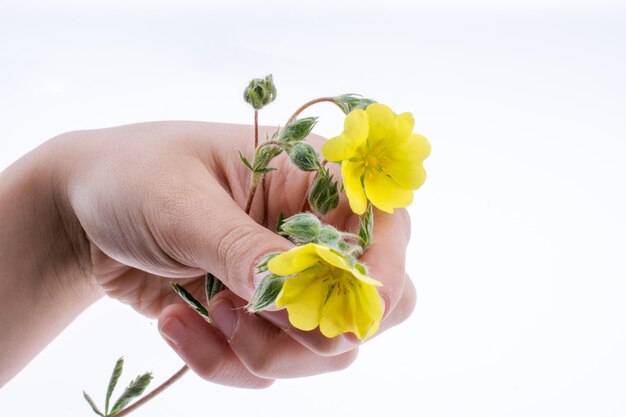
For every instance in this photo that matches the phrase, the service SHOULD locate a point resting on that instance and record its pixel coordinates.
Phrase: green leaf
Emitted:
(190, 300)
(117, 371)
(212, 286)
(245, 162)
(133, 390)
(280, 221)
(366, 226)
(92, 404)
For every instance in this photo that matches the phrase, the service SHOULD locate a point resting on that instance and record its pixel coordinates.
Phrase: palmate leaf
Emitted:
(115, 376)
(190, 300)
(132, 391)
(92, 404)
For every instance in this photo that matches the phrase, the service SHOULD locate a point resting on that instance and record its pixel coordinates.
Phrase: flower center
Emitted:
(370, 161)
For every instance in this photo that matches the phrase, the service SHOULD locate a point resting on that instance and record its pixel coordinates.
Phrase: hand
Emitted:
(163, 201)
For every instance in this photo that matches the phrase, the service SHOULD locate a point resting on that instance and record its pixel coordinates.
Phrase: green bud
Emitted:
(329, 236)
(349, 102)
(298, 130)
(260, 92)
(265, 156)
(301, 228)
(266, 293)
(323, 195)
(304, 157)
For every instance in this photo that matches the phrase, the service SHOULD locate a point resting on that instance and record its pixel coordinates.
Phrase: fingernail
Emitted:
(174, 330)
(224, 316)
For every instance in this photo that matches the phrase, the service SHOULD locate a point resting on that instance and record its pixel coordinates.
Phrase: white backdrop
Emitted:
(518, 234)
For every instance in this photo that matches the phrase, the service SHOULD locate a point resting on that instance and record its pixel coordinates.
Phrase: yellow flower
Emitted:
(381, 159)
(324, 290)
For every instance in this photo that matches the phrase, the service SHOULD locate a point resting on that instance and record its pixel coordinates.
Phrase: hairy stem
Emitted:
(256, 128)
(309, 104)
(153, 393)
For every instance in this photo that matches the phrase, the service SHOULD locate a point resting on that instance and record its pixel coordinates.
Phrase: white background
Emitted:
(519, 237)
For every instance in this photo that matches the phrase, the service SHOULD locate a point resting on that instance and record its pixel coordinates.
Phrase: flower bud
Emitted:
(304, 157)
(329, 236)
(301, 228)
(349, 102)
(298, 129)
(323, 195)
(260, 92)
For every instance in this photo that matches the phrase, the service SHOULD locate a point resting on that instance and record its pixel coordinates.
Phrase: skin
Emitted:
(124, 211)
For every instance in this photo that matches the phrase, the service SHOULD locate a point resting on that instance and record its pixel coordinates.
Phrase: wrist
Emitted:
(43, 272)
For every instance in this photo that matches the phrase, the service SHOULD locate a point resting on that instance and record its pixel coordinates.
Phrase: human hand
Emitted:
(162, 201)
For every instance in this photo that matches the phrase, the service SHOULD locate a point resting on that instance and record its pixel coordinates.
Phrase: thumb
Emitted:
(213, 233)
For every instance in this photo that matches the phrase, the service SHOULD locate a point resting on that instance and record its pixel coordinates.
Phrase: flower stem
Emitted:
(309, 104)
(153, 393)
(256, 128)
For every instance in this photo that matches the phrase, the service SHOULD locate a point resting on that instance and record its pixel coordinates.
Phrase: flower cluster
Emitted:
(320, 281)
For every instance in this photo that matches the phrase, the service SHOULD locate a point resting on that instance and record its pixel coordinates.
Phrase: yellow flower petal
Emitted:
(404, 125)
(381, 123)
(415, 148)
(294, 260)
(304, 297)
(385, 193)
(339, 313)
(357, 309)
(370, 310)
(351, 173)
(405, 163)
(337, 260)
(409, 175)
(355, 131)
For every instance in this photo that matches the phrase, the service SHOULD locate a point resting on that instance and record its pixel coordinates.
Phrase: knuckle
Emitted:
(209, 371)
(234, 238)
(327, 347)
(261, 363)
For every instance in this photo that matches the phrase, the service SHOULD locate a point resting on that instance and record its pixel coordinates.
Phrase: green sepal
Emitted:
(261, 266)
(132, 391)
(190, 300)
(349, 102)
(265, 293)
(115, 376)
(92, 404)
